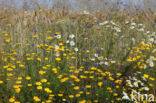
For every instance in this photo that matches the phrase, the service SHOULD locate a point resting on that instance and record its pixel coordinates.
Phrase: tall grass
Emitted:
(54, 56)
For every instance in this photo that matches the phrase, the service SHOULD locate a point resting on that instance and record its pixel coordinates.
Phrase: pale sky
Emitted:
(73, 3)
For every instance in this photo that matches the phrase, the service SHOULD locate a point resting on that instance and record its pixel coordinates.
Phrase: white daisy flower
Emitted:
(58, 36)
(101, 63)
(113, 23)
(96, 55)
(92, 59)
(57, 54)
(86, 12)
(127, 22)
(151, 39)
(106, 63)
(72, 43)
(142, 29)
(146, 88)
(76, 49)
(135, 84)
(132, 27)
(67, 41)
(133, 24)
(125, 97)
(57, 47)
(148, 32)
(103, 23)
(145, 66)
(151, 64)
(129, 83)
(113, 62)
(72, 36)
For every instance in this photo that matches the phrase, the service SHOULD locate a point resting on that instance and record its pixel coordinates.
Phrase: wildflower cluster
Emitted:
(81, 60)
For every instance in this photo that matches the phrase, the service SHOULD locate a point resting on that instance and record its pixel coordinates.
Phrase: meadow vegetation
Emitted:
(62, 56)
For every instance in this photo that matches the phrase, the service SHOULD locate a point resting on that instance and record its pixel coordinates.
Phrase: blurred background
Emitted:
(78, 5)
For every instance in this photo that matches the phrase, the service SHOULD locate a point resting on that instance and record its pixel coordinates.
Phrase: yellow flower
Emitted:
(36, 98)
(58, 59)
(9, 74)
(93, 68)
(29, 58)
(17, 90)
(118, 74)
(25, 12)
(60, 95)
(9, 69)
(11, 100)
(71, 96)
(28, 78)
(88, 86)
(8, 40)
(87, 93)
(117, 86)
(39, 59)
(48, 83)
(129, 59)
(91, 77)
(64, 54)
(35, 36)
(46, 58)
(6, 34)
(73, 57)
(51, 95)
(64, 79)
(1, 82)
(54, 70)
(38, 83)
(108, 88)
(140, 66)
(60, 76)
(29, 85)
(100, 84)
(57, 33)
(60, 44)
(39, 87)
(95, 101)
(48, 101)
(21, 65)
(151, 85)
(83, 101)
(49, 37)
(118, 99)
(111, 78)
(41, 72)
(64, 100)
(134, 59)
(15, 86)
(115, 94)
(138, 57)
(19, 78)
(43, 80)
(77, 80)
(146, 76)
(47, 90)
(41, 10)
(76, 87)
(78, 95)
(44, 67)
(152, 79)
(18, 62)
(18, 82)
